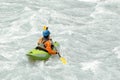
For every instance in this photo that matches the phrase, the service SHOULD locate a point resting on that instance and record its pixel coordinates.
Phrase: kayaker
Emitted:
(45, 43)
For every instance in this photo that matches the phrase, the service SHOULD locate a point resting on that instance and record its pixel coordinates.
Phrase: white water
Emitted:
(87, 30)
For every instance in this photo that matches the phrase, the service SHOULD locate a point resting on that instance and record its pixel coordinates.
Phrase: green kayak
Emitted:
(40, 54)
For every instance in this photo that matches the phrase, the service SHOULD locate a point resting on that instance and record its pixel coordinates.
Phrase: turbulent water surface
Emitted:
(87, 30)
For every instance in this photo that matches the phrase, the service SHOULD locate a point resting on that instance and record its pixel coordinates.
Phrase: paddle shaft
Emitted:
(57, 51)
(59, 54)
(61, 58)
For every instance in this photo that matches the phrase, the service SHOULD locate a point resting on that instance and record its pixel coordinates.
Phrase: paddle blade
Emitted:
(45, 27)
(63, 60)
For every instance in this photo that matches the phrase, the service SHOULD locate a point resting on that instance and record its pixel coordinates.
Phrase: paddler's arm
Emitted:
(49, 49)
(39, 41)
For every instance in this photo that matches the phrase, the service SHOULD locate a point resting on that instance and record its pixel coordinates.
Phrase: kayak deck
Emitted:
(37, 54)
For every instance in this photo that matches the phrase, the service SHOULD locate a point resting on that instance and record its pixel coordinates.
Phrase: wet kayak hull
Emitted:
(36, 54)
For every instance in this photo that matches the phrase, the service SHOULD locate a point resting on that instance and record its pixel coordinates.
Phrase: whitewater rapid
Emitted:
(87, 30)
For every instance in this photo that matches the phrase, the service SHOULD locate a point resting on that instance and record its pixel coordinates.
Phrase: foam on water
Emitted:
(87, 30)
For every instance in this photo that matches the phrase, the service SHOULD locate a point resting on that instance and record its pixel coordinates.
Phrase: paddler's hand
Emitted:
(38, 43)
(57, 52)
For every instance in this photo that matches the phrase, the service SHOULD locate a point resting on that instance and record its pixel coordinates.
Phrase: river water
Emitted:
(88, 32)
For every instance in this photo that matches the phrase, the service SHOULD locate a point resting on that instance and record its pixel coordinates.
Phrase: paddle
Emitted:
(45, 28)
(63, 60)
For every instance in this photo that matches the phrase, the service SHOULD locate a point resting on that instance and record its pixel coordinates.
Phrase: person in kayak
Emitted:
(45, 43)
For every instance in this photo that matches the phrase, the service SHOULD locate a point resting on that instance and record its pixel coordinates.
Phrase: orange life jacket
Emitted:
(47, 44)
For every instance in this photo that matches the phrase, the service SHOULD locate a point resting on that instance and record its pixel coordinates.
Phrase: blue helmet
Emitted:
(46, 33)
